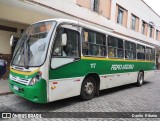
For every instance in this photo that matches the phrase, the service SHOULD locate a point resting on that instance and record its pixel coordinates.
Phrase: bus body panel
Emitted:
(100, 66)
(64, 88)
(113, 80)
(66, 80)
(149, 74)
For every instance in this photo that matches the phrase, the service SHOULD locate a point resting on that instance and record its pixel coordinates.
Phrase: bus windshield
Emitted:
(32, 47)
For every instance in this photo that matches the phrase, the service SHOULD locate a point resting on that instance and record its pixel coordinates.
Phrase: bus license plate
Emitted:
(15, 88)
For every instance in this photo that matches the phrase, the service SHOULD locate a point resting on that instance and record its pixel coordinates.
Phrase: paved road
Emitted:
(128, 98)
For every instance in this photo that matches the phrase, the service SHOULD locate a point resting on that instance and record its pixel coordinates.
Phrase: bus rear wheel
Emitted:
(140, 79)
(88, 88)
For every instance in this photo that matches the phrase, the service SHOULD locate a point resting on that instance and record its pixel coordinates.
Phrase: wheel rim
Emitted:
(89, 87)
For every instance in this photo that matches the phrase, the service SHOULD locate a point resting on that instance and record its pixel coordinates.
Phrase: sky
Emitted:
(154, 4)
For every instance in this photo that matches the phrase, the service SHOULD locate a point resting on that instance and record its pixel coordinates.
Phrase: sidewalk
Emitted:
(4, 87)
(157, 71)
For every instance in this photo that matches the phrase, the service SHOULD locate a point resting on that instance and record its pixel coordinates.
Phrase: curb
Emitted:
(157, 71)
(5, 93)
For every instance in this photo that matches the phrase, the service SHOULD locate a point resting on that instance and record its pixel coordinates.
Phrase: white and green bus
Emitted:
(58, 58)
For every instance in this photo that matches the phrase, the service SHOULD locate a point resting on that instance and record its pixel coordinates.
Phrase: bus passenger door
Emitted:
(65, 56)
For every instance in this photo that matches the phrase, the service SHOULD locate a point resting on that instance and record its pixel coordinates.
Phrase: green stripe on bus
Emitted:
(101, 67)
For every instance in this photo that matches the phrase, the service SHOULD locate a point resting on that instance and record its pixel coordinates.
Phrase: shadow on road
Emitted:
(120, 88)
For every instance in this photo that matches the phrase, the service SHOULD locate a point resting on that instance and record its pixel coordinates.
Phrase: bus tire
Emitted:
(88, 88)
(140, 79)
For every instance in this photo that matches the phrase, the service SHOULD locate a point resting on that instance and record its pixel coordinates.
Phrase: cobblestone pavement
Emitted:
(128, 98)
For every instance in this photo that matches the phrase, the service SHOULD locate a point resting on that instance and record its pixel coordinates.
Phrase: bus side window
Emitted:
(139, 55)
(141, 52)
(153, 55)
(94, 43)
(115, 47)
(110, 52)
(57, 43)
(71, 48)
(130, 50)
(148, 53)
(120, 53)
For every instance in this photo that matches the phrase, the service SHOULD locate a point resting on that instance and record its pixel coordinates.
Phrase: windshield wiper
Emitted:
(20, 45)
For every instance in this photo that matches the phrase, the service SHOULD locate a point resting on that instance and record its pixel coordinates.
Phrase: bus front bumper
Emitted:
(36, 93)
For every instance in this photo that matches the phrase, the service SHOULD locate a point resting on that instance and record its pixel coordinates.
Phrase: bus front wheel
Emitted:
(140, 79)
(88, 88)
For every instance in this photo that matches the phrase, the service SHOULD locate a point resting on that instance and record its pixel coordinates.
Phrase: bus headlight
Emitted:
(36, 79)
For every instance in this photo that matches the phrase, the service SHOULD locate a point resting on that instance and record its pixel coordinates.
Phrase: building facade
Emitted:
(133, 18)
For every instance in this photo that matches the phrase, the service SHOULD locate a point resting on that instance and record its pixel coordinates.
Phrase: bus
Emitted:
(60, 58)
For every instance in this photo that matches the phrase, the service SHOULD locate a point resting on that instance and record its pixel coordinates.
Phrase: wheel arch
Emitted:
(142, 72)
(97, 80)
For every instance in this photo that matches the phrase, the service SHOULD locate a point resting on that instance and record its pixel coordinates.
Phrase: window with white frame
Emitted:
(150, 31)
(143, 27)
(157, 35)
(120, 15)
(133, 22)
(95, 5)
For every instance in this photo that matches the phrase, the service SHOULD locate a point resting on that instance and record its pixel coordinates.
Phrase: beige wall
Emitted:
(19, 26)
(125, 18)
(20, 15)
(84, 3)
(71, 10)
(4, 42)
(125, 15)
(159, 36)
(11, 16)
(116, 14)
(137, 24)
(105, 8)
(153, 33)
(5, 35)
(146, 29)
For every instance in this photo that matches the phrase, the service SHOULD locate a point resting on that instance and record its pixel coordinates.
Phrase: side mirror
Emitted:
(64, 39)
(12, 40)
